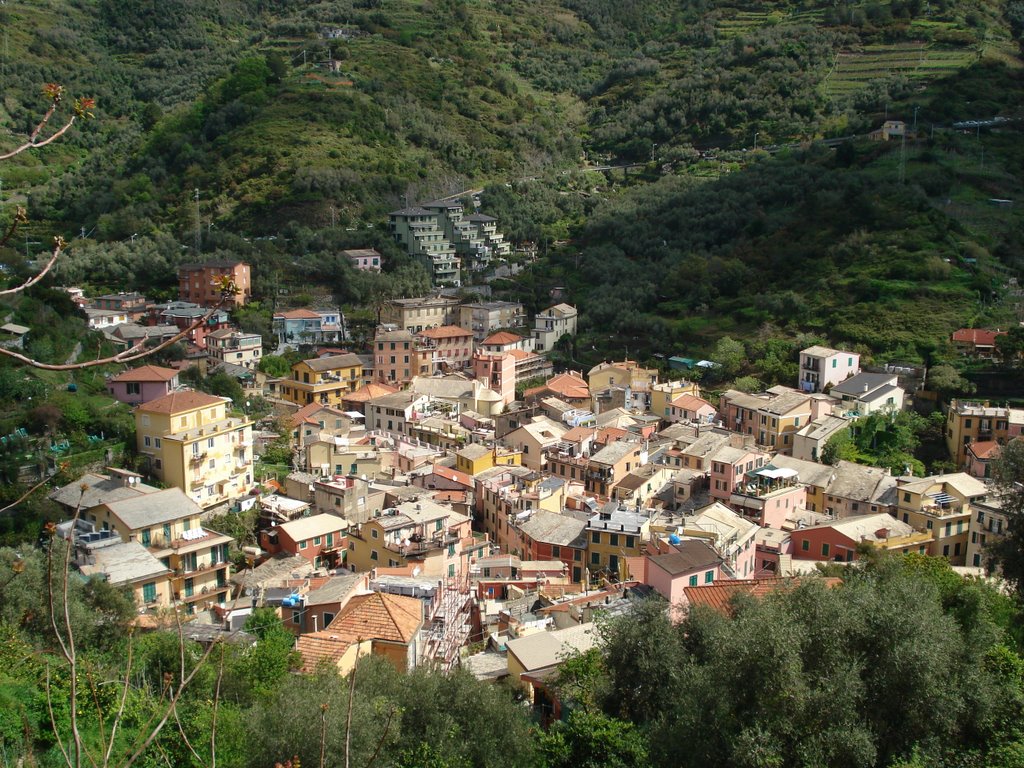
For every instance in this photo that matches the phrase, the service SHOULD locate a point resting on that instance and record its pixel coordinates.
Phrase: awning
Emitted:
(942, 498)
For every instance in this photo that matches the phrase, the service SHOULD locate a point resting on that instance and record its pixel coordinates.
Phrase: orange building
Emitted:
(201, 283)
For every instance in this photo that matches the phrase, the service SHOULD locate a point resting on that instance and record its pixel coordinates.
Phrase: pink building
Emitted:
(142, 384)
(690, 408)
(497, 371)
(366, 259)
(692, 563)
(318, 538)
(728, 466)
(453, 346)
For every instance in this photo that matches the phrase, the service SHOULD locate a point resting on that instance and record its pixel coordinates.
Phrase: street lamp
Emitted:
(755, 140)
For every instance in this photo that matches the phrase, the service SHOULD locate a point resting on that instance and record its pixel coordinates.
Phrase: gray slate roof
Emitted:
(154, 508)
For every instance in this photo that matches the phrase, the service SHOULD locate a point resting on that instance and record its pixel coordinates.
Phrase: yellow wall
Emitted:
(184, 461)
(661, 399)
(328, 387)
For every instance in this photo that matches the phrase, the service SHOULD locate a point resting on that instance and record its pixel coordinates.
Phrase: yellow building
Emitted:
(475, 458)
(193, 444)
(324, 380)
(968, 423)
(625, 373)
(941, 505)
(662, 395)
(167, 523)
(614, 534)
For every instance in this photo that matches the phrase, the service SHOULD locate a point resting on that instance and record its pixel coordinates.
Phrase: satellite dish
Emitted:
(416, 571)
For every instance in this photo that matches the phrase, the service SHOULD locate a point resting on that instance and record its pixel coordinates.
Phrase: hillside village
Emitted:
(453, 501)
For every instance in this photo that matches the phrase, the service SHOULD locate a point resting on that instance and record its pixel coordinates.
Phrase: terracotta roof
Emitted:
(984, 449)
(306, 412)
(368, 392)
(719, 595)
(521, 354)
(454, 475)
(578, 434)
(379, 616)
(298, 314)
(503, 337)
(691, 403)
(177, 402)
(316, 647)
(982, 336)
(571, 385)
(147, 373)
(445, 332)
(610, 435)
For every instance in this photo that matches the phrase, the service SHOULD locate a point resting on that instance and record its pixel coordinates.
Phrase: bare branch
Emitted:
(136, 352)
(33, 144)
(20, 217)
(25, 495)
(58, 249)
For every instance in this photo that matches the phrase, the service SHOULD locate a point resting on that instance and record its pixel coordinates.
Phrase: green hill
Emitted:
(299, 141)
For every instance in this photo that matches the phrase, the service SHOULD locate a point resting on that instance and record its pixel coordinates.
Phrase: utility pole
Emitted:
(199, 226)
(915, 118)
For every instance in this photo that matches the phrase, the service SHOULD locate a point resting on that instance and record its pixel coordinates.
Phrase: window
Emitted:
(373, 554)
(805, 546)
(906, 497)
(374, 533)
(213, 463)
(928, 525)
(316, 541)
(595, 537)
(296, 617)
(328, 618)
(156, 442)
(209, 443)
(302, 544)
(693, 580)
(595, 558)
(146, 441)
(945, 551)
(824, 549)
(577, 555)
(709, 576)
(145, 538)
(134, 388)
(438, 525)
(149, 592)
(330, 539)
(949, 528)
(556, 551)
(614, 540)
(630, 542)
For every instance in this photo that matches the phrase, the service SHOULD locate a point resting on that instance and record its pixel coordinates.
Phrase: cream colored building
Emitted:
(192, 443)
(167, 523)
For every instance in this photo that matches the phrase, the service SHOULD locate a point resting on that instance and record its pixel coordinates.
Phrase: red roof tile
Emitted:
(720, 594)
(178, 402)
(503, 337)
(977, 336)
(147, 373)
(298, 314)
(445, 332)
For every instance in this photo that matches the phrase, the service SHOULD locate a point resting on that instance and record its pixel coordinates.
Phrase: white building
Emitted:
(551, 324)
(822, 367)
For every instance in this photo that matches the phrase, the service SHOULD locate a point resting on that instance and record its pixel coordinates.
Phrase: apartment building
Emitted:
(308, 326)
(235, 347)
(972, 422)
(823, 367)
(399, 356)
(942, 506)
(421, 232)
(201, 283)
(614, 534)
(324, 380)
(414, 315)
(552, 324)
(168, 524)
(191, 442)
(773, 417)
(483, 318)
(452, 346)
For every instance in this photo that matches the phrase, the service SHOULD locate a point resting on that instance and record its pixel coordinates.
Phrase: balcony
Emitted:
(197, 458)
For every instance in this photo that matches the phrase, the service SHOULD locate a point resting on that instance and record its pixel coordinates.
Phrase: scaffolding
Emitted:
(449, 622)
